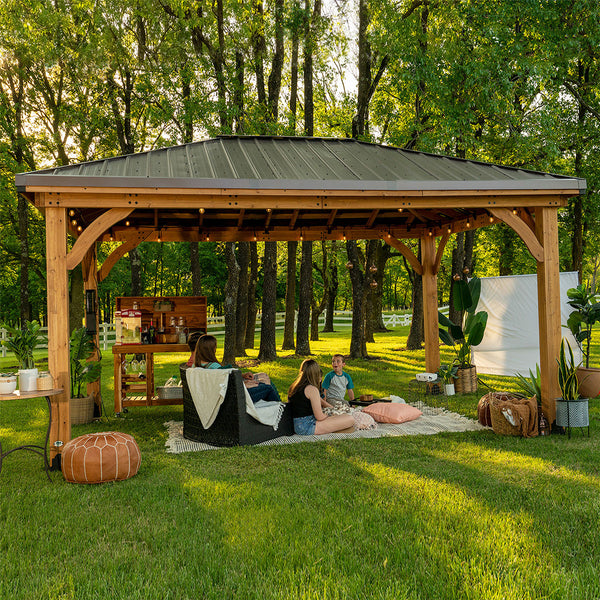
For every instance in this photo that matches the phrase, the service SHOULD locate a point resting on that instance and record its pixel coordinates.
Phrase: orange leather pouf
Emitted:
(100, 457)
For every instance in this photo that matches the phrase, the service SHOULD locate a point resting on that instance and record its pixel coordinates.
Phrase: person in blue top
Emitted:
(205, 356)
(337, 382)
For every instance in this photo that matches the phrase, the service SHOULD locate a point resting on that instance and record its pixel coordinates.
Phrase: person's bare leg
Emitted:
(334, 423)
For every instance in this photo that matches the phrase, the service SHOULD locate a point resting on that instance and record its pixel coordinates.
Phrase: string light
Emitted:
(126, 223)
(201, 211)
(71, 213)
(74, 222)
(79, 228)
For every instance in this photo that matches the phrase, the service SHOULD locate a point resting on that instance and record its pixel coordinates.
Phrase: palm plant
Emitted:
(83, 370)
(531, 386)
(586, 302)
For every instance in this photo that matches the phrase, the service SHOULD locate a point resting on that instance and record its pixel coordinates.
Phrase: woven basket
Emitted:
(170, 392)
(483, 411)
(466, 380)
(82, 410)
(499, 423)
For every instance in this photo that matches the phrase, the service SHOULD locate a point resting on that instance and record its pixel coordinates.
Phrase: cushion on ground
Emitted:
(392, 412)
(100, 457)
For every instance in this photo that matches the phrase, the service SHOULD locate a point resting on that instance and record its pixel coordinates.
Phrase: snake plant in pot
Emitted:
(83, 371)
(571, 409)
(585, 301)
(466, 334)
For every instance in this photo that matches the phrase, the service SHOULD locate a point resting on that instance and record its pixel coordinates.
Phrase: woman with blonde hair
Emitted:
(307, 405)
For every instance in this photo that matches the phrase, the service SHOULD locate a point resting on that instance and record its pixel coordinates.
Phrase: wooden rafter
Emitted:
(522, 230)
(372, 217)
(93, 232)
(410, 256)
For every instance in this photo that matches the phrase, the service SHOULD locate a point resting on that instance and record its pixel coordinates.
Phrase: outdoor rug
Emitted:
(434, 420)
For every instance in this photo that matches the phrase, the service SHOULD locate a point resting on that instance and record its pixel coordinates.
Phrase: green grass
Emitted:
(470, 515)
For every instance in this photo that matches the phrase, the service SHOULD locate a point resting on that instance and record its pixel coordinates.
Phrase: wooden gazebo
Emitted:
(275, 188)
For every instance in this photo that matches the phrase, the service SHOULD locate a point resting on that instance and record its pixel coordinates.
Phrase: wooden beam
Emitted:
(522, 230)
(331, 219)
(430, 305)
(122, 250)
(58, 321)
(412, 260)
(241, 217)
(548, 284)
(93, 231)
(440, 252)
(193, 198)
(90, 283)
(294, 219)
(372, 218)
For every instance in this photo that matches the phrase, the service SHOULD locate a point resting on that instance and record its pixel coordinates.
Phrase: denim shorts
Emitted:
(305, 425)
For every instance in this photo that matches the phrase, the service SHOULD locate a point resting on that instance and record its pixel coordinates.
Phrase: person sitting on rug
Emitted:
(307, 405)
(206, 357)
(192, 341)
(336, 382)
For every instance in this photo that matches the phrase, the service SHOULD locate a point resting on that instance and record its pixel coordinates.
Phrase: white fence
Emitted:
(216, 325)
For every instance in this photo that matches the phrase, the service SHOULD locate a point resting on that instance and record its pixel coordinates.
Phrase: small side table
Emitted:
(41, 450)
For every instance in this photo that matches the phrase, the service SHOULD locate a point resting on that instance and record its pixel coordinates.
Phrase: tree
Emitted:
(268, 350)
(290, 298)
(233, 273)
(305, 298)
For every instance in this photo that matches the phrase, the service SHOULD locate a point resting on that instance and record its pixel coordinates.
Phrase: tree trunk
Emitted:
(416, 335)
(252, 308)
(294, 67)
(310, 25)
(135, 261)
(242, 299)
(25, 304)
(230, 303)
(76, 312)
(290, 298)
(195, 269)
(333, 289)
(302, 342)
(358, 346)
(317, 308)
(268, 350)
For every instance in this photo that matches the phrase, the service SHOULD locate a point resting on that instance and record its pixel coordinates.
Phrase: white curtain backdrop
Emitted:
(511, 341)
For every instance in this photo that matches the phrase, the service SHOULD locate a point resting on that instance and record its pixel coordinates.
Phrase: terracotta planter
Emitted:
(589, 382)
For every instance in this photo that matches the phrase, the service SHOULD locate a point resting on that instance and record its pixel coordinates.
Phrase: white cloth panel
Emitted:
(511, 341)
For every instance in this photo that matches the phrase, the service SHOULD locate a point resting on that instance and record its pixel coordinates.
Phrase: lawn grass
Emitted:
(468, 515)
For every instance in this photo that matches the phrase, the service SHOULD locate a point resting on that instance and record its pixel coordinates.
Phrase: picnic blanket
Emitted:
(433, 421)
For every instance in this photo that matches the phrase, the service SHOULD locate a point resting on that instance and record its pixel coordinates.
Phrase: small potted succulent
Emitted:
(22, 342)
(447, 374)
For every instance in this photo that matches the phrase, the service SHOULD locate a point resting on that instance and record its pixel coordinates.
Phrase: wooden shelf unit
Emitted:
(133, 390)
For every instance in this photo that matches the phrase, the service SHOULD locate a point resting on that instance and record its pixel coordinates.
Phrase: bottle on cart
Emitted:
(151, 333)
(118, 328)
(145, 339)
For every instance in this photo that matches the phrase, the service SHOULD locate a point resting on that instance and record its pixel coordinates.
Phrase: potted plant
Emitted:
(469, 332)
(531, 387)
(83, 371)
(447, 374)
(571, 409)
(586, 304)
(22, 342)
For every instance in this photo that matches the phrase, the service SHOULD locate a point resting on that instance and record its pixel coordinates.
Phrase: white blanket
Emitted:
(208, 388)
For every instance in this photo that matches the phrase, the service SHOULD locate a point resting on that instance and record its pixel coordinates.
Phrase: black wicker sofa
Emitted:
(233, 426)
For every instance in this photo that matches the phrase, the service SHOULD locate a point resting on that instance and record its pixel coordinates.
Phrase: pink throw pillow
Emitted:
(392, 412)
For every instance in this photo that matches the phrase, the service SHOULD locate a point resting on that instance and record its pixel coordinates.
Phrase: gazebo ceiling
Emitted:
(283, 188)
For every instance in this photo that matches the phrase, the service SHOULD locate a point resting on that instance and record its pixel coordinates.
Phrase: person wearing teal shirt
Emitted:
(337, 382)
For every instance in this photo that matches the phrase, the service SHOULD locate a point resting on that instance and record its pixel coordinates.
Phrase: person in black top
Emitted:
(307, 405)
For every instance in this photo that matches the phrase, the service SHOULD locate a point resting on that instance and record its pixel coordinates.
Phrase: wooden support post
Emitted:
(548, 284)
(58, 328)
(430, 305)
(90, 280)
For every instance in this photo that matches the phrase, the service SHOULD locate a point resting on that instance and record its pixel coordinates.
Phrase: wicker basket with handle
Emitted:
(499, 423)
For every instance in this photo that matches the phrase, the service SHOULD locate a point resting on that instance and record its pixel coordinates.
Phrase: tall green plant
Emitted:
(586, 302)
(83, 370)
(567, 373)
(22, 342)
(463, 336)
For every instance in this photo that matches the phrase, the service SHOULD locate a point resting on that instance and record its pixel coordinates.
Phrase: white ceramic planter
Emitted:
(8, 384)
(28, 380)
(449, 389)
